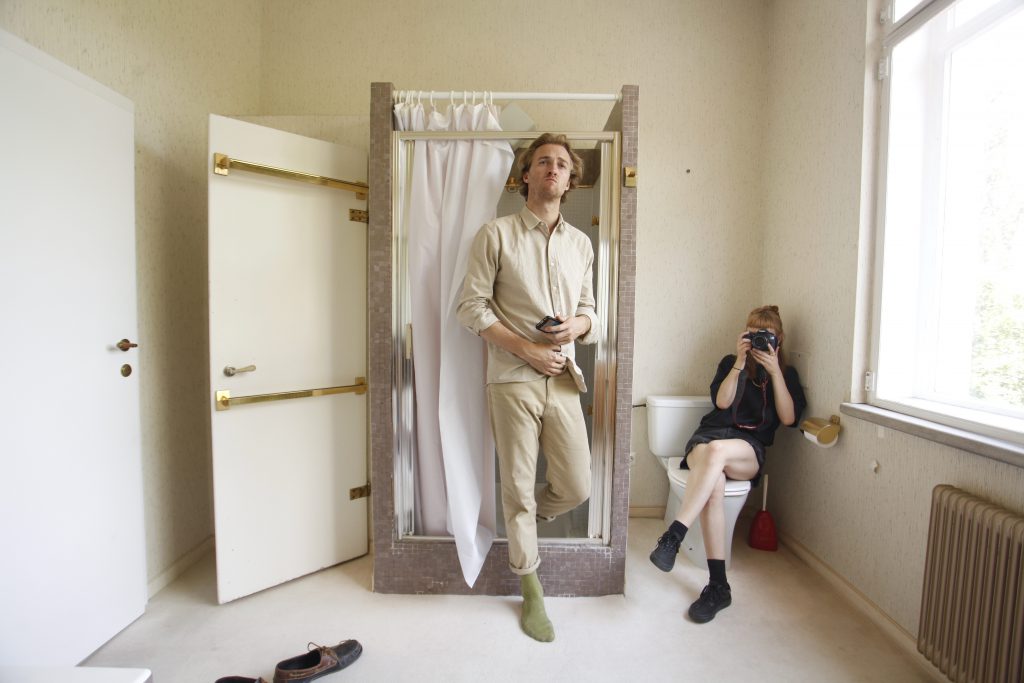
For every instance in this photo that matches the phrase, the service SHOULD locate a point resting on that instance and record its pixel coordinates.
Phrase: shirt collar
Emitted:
(533, 222)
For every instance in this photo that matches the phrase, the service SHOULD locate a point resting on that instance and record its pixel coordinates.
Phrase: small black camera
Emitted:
(547, 321)
(762, 339)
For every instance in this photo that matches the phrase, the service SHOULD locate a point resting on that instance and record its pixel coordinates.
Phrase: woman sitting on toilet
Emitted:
(754, 391)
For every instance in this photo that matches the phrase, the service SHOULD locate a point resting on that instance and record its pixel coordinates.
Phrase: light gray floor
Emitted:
(785, 624)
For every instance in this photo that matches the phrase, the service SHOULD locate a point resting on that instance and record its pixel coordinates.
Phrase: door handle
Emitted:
(124, 345)
(231, 371)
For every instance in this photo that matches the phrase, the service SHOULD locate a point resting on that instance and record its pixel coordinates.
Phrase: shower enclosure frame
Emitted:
(602, 443)
(406, 563)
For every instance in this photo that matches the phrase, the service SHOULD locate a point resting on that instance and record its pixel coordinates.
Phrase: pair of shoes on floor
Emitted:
(319, 661)
(714, 598)
(664, 556)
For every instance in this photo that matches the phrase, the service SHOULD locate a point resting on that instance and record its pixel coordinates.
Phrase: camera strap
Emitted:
(739, 394)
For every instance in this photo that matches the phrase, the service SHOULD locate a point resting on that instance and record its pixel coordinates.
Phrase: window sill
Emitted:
(996, 449)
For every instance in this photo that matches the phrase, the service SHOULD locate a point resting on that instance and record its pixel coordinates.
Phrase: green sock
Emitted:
(535, 622)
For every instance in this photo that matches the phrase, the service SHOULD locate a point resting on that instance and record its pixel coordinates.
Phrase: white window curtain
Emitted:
(455, 188)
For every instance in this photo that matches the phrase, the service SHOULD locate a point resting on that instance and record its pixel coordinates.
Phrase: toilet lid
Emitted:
(678, 476)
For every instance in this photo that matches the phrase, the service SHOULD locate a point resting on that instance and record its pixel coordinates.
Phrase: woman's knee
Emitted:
(712, 454)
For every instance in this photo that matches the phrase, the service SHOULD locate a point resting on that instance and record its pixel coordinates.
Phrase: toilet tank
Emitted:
(672, 420)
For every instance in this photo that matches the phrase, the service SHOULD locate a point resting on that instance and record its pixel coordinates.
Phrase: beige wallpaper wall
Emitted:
(870, 527)
(177, 62)
(701, 71)
(749, 192)
(307, 67)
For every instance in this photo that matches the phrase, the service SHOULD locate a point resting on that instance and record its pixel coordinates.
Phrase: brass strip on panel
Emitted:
(223, 164)
(224, 400)
(629, 176)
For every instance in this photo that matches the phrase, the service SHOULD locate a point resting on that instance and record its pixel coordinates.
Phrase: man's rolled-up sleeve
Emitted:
(474, 311)
(586, 304)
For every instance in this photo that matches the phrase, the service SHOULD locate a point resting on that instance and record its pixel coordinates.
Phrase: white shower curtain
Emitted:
(455, 188)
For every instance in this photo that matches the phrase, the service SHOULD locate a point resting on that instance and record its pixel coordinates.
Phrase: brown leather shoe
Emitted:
(319, 661)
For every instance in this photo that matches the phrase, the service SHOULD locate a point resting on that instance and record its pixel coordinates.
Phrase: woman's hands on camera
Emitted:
(768, 359)
(742, 346)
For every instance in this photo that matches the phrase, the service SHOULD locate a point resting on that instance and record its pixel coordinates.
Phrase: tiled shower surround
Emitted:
(432, 566)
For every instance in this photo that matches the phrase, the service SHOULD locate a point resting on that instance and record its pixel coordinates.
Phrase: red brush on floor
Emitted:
(762, 529)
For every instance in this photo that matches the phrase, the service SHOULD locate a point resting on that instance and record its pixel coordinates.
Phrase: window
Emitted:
(949, 313)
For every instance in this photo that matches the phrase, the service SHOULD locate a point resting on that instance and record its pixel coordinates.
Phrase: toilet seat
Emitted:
(679, 476)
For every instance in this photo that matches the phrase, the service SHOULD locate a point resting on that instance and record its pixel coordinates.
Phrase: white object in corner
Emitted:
(73, 674)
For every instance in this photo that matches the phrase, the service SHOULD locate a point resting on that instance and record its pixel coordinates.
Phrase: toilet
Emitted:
(671, 421)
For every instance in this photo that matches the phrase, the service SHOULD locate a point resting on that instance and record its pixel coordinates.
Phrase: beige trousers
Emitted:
(524, 415)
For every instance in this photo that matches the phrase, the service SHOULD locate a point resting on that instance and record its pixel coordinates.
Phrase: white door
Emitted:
(288, 312)
(72, 546)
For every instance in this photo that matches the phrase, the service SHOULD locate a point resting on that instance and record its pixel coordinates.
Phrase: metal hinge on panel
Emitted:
(883, 68)
(359, 216)
(869, 381)
(885, 14)
(359, 492)
(629, 176)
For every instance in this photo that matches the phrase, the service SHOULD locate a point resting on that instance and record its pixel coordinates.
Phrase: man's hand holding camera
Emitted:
(561, 331)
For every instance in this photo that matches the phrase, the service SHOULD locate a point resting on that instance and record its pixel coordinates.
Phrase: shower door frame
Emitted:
(422, 564)
(602, 383)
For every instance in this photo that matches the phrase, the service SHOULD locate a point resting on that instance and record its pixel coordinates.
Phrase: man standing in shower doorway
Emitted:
(529, 293)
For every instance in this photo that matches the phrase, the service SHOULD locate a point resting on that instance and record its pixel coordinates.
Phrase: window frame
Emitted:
(979, 431)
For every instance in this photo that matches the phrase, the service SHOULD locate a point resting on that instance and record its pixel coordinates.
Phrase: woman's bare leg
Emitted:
(712, 522)
(708, 462)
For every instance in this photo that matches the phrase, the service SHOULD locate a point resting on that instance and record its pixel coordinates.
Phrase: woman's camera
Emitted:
(762, 339)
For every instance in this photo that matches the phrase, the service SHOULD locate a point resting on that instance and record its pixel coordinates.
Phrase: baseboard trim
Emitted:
(158, 583)
(899, 635)
(648, 512)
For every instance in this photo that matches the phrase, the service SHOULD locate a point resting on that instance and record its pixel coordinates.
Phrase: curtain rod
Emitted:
(472, 94)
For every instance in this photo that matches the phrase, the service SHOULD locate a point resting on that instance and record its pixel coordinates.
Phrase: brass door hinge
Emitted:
(359, 492)
(359, 216)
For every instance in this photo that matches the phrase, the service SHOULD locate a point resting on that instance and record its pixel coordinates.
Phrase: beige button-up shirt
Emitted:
(517, 275)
